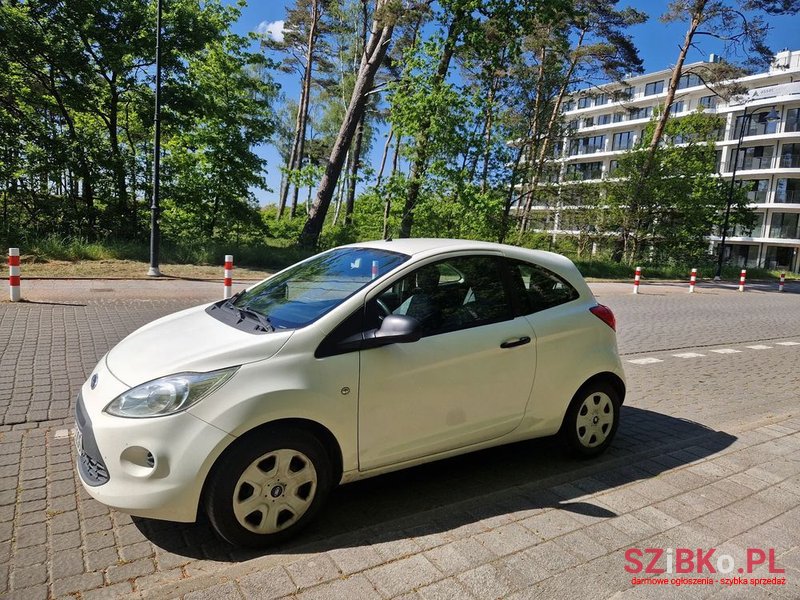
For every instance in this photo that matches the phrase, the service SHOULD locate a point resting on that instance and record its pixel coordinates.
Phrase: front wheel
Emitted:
(266, 488)
(591, 420)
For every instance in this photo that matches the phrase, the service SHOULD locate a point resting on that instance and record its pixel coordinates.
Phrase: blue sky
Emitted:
(657, 43)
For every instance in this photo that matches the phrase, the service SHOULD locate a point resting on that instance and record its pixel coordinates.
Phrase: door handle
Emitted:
(514, 343)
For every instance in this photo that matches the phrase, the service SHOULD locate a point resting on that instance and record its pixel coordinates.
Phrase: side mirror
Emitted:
(399, 329)
(395, 329)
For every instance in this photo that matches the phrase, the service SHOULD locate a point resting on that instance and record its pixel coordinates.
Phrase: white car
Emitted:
(361, 360)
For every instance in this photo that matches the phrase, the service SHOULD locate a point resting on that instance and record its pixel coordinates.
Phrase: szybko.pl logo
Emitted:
(649, 562)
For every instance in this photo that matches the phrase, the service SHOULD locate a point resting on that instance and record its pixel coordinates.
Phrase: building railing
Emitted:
(790, 161)
(788, 197)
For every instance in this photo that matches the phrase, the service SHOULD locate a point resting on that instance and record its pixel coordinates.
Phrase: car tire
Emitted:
(267, 487)
(591, 420)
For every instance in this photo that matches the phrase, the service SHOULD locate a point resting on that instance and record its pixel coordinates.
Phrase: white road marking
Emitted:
(788, 343)
(688, 355)
(760, 347)
(726, 351)
(645, 361)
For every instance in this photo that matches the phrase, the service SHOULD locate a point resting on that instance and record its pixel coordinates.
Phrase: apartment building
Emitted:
(768, 166)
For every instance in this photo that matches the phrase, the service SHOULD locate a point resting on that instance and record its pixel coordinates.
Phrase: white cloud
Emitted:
(274, 30)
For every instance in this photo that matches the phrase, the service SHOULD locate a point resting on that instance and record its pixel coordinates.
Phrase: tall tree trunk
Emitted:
(387, 206)
(374, 53)
(697, 17)
(118, 162)
(420, 162)
(541, 149)
(355, 163)
(384, 156)
(306, 97)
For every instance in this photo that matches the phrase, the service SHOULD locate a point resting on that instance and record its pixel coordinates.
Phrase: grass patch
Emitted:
(271, 255)
(616, 271)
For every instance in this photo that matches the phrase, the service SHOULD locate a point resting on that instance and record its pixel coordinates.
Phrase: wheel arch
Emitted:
(322, 433)
(612, 379)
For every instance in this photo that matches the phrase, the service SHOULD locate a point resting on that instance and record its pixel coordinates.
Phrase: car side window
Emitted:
(538, 288)
(448, 295)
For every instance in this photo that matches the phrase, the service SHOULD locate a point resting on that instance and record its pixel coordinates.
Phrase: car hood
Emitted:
(188, 341)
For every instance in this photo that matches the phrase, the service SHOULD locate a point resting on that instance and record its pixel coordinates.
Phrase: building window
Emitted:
(787, 191)
(584, 102)
(568, 106)
(588, 122)
(618, 117)
(656, 87)
(756, 231)
(587, 145)
(757, 189)
(758, 125)
(758, 157)
(689, 80)
(622, 140)
(784, 226)
(624, 94)
(677, 107)
(601, 99)
(708, 102)
(642, 113)
(779, 257)
(613, 166)
(584, 171)
(790, 156)
(604, 119)
(792, 119)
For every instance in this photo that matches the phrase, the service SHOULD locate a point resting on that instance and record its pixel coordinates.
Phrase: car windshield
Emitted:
(303, 293)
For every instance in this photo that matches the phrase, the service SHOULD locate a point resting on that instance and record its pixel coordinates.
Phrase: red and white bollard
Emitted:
(741, 280)
(13, 274)
(228, 282)
(374, 269)
(692, 280)
(636, 279)
(782, 281)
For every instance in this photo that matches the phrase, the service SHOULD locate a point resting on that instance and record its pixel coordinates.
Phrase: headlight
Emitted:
(167, 395)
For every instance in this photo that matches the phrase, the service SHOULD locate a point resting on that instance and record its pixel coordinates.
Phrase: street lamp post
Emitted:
(746, 119)
(155, 232)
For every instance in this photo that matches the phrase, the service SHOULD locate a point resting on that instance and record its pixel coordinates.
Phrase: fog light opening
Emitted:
(138, 461)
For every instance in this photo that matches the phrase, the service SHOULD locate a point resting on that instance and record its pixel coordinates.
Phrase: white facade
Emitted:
(768, 163)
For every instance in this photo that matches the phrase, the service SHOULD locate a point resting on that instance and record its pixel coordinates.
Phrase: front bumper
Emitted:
(152, 467)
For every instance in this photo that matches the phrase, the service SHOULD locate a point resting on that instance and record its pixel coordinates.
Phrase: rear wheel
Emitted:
(266, 488)
(592, 419)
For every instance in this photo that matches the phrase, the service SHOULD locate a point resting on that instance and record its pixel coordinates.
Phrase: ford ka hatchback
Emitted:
(361, 360)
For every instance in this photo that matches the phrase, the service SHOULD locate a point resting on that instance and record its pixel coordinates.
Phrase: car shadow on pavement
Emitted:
(447, 494)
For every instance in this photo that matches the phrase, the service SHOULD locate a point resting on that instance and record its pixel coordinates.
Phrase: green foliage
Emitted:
(76, 118)
(664, 216)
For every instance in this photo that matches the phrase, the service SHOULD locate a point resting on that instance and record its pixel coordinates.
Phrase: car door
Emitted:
(466, 381)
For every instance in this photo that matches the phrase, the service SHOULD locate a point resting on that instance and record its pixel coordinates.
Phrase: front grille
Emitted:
(90, 463)
(93, 471)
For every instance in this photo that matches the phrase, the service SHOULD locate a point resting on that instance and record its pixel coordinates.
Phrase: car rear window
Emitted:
(539, 288)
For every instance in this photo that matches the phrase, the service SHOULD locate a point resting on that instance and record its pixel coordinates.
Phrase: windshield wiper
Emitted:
(263, 320)
(235, 297)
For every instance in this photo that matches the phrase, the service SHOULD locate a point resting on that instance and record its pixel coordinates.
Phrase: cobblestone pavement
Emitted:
(706, 457)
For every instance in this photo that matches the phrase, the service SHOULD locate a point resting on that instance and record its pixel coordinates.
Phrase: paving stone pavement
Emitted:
(706, 457)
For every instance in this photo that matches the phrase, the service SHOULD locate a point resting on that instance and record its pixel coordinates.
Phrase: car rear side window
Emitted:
(538, 288)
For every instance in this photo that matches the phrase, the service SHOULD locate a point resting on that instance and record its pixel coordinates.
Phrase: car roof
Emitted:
(421, 248)
(412, 246)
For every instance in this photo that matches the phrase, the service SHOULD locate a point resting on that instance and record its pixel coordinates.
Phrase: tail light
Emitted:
(605, 315)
